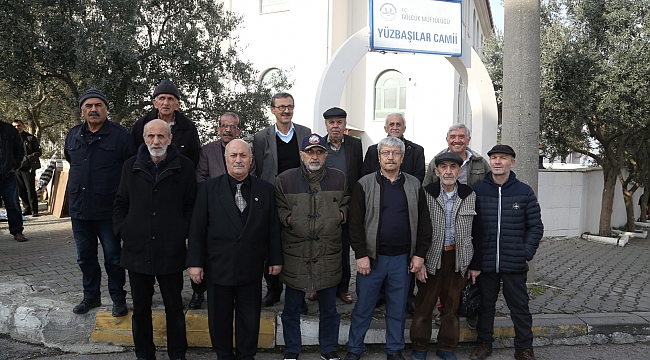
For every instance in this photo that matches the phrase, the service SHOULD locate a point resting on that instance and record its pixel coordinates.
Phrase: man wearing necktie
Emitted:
(234, 230)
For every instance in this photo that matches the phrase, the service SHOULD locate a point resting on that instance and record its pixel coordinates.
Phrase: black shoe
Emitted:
(481, 351)
(197, 300)
(119, 308)
(330, 356)
(27, 212)
(270, 299)
(352, 356)
(471, 323)
(397, 355)
(35, 215)
(291, 356)
(410, 307)
(304, 310)
(86, 304)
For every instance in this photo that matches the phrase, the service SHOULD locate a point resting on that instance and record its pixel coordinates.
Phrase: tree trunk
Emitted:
(609, 185)
(629, 208)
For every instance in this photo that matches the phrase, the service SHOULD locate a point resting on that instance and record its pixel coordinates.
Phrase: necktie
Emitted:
(239, 199)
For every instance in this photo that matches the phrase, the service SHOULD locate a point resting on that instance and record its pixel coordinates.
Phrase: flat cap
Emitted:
(502, 149)
(93, 93)
(335, 112)
(448, 156)
(166, 87)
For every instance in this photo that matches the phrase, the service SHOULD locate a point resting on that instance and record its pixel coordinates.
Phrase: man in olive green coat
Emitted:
(312, 204)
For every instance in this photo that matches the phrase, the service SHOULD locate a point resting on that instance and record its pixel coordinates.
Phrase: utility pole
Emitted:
(521, 88)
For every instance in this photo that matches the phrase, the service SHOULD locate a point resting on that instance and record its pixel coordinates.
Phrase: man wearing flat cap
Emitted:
(453, 257)
(312, 205)
(344, 152)
(96, 151)
(166, 102)
(512, 228)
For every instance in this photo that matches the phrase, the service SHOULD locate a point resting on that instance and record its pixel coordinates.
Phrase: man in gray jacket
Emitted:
(390, 231)
(277, 148)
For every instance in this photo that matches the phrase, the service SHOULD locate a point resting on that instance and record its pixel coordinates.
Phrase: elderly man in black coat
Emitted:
(152, 213)
(235, 228)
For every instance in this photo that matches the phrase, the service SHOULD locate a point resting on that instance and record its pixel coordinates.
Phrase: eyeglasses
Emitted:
(284, 107)
(317, 152)
(387, 153)
(231, 127)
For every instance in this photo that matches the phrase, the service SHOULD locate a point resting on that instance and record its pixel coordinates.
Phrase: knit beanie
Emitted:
(166, 87)
(93, 93)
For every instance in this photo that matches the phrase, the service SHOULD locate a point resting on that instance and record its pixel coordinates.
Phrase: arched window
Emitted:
(270, 77)
(390, 94)
(269, 80)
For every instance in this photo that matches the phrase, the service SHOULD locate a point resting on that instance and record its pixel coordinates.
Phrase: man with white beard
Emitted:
(312, 205)
(152, 213)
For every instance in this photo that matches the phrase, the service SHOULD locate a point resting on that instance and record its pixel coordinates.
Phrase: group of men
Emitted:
(289, 209)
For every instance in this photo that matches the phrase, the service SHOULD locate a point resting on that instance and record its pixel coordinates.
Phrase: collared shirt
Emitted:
(449, 200)
(245, 192)
(285, 137)
(335, 148)
(399, 176)
(336, 157)
(462, 178)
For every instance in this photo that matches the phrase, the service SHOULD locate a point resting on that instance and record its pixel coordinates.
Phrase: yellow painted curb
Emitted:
(117, 330)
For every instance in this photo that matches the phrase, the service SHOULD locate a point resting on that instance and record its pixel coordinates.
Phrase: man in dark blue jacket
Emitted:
(512, 229)
(11, 153)
(96, 150)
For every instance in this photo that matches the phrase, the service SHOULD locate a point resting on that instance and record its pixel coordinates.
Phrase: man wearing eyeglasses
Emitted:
(390, 233)
(166, 102)
(211, 157)
(277, 149)
(312, 204)
(412, 164)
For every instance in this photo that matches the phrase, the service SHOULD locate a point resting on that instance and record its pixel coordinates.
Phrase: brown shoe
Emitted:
(345, 297)
(481, 351)
(527, 354)
(20, 237)
(313, 296)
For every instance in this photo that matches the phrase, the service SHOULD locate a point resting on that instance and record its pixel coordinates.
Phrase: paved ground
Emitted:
(573, 276)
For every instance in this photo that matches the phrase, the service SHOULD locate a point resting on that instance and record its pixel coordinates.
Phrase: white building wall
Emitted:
(571, 201)
(301, 41)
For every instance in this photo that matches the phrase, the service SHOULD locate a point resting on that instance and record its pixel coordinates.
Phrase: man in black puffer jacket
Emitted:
(512, 229)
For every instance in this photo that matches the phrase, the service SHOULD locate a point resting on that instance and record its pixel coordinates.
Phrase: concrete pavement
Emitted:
(583, 293)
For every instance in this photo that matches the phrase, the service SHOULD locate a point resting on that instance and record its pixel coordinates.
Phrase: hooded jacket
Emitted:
(512, 224)
(318, 205)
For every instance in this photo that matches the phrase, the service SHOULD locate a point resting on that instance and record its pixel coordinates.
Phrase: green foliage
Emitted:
(125, 48)
(492, 57)
(595, 57)
(595, 62)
